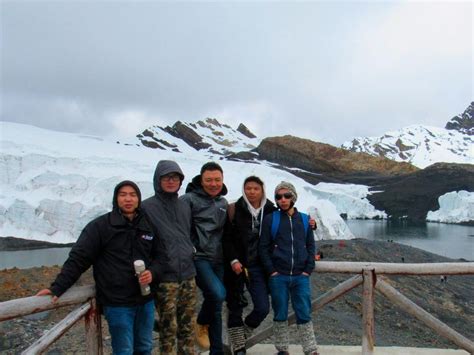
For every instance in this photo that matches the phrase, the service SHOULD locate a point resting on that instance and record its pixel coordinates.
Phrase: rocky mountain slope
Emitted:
(464, 122)
(400, 189)
(207, 135)
(423, 145)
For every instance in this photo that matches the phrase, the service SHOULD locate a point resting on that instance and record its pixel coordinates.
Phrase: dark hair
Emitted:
(211, 166)
(255, 179)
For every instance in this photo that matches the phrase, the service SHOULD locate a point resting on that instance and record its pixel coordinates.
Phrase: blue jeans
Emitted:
(282, 287)
(210, 279)
(131, 328)
(257, 287)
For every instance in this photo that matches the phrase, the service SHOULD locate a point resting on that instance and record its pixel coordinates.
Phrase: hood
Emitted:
(252, 210)
(195, 186)
(122, 184)
(163, 168)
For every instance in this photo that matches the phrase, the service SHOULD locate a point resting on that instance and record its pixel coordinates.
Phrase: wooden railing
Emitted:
(84, 295)
(367, 276)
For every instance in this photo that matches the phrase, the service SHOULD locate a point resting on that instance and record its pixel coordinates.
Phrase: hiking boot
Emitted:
(202, 336)
(237, 338)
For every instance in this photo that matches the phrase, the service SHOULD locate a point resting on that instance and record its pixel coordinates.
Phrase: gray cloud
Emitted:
(322, 70)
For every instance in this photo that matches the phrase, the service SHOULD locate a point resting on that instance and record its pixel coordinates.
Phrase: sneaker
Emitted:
(202, 336)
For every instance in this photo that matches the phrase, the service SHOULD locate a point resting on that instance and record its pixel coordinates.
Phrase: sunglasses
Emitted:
(286, 195)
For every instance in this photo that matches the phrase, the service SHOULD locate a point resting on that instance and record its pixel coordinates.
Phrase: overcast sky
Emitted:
(324, 70)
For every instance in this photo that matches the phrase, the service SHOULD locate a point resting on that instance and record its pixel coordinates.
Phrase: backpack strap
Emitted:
(305, 219)
(276, 222)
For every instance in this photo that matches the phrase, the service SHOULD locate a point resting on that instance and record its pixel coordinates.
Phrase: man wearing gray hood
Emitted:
(176, 295)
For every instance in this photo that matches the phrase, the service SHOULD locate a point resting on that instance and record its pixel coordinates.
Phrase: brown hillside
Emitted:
(324, 158)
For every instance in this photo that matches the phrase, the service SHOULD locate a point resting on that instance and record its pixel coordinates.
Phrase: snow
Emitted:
(52, 183)
(419, 145)
(455, 207)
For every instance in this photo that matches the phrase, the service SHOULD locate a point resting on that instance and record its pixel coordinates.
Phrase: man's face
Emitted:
(254, 192)
(212, 182)
(170, 182)
(284, 202)
(127, 199)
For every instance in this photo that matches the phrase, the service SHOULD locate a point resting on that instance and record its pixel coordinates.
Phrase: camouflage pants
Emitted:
(176, 303)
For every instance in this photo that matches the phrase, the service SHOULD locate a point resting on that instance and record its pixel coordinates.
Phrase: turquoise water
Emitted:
(450, 240)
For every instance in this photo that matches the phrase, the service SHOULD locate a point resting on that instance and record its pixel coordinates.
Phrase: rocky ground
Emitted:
(338, 323)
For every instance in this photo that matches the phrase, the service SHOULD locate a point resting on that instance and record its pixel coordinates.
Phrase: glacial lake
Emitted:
(452, 241)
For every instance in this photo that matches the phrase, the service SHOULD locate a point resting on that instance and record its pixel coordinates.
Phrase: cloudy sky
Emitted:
(323, 70)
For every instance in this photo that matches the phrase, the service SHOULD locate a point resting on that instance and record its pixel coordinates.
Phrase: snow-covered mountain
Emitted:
(423, 145)
(52, 184)
(208, 136)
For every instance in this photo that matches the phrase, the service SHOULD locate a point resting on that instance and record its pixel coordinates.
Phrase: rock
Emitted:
(463, 123)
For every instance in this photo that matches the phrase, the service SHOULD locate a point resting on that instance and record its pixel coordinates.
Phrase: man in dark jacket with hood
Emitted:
(111, 243)
(176, 293)
(204, 195)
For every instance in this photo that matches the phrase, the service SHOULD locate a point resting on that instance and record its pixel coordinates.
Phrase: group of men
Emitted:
(187, 241)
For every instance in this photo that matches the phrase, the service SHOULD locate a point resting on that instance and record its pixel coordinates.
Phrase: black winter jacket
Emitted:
(240, 241)
(171, 218)
(209, 216)
(111, 243)
(291, 252)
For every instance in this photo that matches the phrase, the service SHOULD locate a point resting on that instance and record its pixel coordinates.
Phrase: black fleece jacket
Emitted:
(111, 243)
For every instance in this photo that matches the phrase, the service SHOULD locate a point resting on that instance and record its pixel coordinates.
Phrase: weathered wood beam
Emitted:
(368, 328)
(93, 325)
(395, 268)
(410, 307)
(318, 303)
(34, 304)
(57, 331)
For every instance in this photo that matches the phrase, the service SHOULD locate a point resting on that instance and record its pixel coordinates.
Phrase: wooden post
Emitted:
(439, 327)
(368, 332)
(93, 324)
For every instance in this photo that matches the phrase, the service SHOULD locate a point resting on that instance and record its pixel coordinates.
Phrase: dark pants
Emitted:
(210, 279)
(257, 287)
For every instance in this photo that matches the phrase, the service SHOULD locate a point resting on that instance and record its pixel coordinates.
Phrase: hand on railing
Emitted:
(47, 292)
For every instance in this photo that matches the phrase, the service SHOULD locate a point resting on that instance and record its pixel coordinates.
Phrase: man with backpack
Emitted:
(287, 250)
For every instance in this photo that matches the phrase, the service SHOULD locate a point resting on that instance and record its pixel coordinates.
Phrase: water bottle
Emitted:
(139, 266)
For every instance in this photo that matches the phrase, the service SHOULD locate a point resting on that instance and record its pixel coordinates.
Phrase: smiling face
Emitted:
(254, 193)
(212, 182)
(127, 200)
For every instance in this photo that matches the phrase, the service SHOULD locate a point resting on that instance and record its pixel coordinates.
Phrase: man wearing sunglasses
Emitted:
(176, 295)
(287, 255)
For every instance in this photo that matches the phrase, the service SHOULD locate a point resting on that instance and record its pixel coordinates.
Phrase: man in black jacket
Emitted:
(111, 243)
(176, 293)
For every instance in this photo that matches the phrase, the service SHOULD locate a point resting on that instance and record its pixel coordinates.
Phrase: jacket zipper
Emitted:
(292, 246)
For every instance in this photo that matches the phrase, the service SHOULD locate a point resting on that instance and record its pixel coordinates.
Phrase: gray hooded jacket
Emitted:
(171, 219)
(209, 216)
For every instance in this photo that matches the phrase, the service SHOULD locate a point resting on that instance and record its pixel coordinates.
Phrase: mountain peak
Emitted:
(464, 122)
(207, 135)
